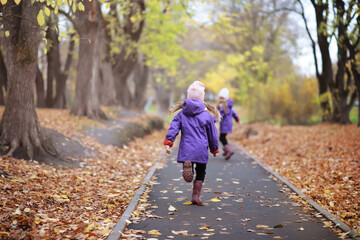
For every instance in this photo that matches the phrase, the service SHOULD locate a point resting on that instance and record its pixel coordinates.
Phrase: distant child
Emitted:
(227, 113)
(198, 133)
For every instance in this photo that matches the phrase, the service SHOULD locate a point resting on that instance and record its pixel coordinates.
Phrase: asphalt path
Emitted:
(242, 201)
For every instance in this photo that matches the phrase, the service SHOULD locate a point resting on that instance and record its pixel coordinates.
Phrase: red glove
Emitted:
(215, 152)
(168, 143)
(238, 120)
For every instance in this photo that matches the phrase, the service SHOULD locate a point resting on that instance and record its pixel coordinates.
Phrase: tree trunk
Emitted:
(107, 81)
(107, 84)
(162, 95)
(20, 125)
(3, 79)
(54, 67)
(50, 70)
(125, 62)
(141, 73)
(40, 91)
(87, 79)
(122, 71)
(340, 96)
(326, 77)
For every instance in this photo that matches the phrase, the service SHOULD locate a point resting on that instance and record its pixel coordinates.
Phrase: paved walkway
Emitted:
(243, 202)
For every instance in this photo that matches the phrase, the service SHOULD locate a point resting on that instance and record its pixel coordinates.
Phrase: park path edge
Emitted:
(350, 232)
(116, 232)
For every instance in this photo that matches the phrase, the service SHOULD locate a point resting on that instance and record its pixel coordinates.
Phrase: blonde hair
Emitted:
(212, 110)
(224, 105)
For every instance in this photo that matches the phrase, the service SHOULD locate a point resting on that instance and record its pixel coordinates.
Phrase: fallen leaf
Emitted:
(172, 208)
(154, 232)
(215, 200)
(262, 226)
(188, 203)
(17, 212)
(184, 232)
(90, 227)
(301, 229)
(278, 226)
(204, 227)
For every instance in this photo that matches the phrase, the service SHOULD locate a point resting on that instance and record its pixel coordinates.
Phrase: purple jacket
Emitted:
(198, 132)
(226, 122)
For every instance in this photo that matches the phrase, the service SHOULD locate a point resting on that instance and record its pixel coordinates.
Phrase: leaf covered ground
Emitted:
(41, 201)
(323, 161)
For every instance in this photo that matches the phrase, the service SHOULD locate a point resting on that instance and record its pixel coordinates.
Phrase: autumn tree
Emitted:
(20, 125)
(162, 49)
(127, 24)
(55, 93)
(336, 85)
(87, 23)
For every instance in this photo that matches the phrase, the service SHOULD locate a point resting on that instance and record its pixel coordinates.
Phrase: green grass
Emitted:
(354, 114)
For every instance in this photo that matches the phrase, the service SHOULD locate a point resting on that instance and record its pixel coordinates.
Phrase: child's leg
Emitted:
(224, 142)
(223, 139)
(200, 176)
(200, 170)
(228, 152)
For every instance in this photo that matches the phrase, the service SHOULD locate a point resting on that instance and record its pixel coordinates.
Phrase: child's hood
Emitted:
(230, 103)
(192, 107)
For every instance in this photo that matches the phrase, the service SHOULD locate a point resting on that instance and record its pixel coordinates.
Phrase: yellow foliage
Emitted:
(291, 101)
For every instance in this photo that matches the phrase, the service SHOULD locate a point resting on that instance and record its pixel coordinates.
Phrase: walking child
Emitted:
(198, 133)
(227, 113)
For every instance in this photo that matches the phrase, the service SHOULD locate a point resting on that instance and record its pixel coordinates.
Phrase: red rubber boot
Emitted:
(187, 173)
(196, 193)
(229, 152)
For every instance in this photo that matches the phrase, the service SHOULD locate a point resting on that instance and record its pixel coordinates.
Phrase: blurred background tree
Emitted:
(142, 55)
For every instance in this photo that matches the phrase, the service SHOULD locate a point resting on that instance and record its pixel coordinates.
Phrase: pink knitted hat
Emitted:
(196, 91)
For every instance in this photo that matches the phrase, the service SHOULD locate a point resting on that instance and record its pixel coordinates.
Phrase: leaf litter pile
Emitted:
(323, 161)
(41, 201)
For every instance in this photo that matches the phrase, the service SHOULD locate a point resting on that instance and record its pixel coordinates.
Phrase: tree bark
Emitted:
(40, 91)
(141, 73)
(3, 79)
(20, 125)
(342, 90)
(107, 80)
(325, 79)
(54, 73)
(87, 80)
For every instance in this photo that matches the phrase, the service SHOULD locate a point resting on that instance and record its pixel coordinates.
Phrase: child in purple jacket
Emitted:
(198, 133)
(227, 113)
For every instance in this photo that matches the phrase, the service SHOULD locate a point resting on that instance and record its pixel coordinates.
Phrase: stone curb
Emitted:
(321, 209)
(122, 223)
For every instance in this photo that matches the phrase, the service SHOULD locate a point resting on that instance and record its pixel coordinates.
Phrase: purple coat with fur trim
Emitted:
(226, 122)
(198, 132)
